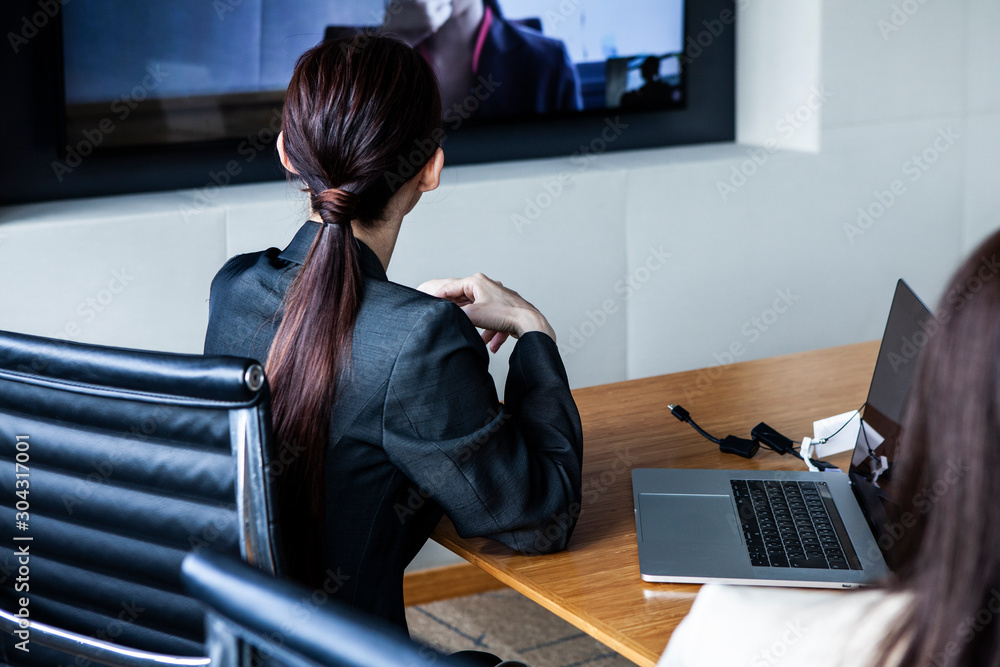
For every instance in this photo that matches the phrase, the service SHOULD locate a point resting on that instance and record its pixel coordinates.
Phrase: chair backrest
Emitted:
(114, 464)
(280, 620)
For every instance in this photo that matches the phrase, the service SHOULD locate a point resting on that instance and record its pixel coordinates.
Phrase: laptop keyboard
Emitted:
(793, 524)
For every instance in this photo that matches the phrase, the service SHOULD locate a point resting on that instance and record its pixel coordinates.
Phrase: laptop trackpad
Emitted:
(688, 519)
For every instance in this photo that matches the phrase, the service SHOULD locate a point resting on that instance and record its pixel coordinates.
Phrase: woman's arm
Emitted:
(499, 311)
(511, 472)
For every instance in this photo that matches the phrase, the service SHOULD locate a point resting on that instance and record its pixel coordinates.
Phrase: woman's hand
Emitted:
(499, 311)
(416, 20)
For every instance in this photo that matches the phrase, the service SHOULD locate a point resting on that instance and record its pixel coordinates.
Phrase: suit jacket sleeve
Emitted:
(570, 95)
(511, 472)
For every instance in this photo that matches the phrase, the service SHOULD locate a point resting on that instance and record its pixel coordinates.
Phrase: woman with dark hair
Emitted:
(943, 604)
(384, 412)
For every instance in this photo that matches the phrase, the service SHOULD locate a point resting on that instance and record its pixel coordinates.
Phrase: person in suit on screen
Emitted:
(655, 93)
(487, 66)
(384, 411)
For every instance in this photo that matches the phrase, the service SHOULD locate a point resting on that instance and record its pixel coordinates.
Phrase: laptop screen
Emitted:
(908, 329)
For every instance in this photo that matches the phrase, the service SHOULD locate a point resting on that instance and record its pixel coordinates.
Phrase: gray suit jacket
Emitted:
(417, 429)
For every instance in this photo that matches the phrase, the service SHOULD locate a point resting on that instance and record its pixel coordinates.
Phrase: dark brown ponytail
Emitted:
(356, 113)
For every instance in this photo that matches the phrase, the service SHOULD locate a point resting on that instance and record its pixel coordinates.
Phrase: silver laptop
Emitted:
(810, 529)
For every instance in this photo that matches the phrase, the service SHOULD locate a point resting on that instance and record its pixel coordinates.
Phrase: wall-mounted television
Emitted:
(118, 96)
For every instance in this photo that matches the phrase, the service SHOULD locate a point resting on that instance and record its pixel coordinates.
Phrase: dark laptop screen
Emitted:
(907, 331)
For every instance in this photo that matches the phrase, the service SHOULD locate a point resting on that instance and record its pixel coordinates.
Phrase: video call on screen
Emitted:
(191, 70)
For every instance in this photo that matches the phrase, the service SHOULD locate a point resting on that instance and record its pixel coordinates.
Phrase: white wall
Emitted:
(890, 95)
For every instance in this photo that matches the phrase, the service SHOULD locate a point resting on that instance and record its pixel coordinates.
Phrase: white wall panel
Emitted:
(788, 231)
(982, 177)
(135, 277)
(911, 69)
(983, 57)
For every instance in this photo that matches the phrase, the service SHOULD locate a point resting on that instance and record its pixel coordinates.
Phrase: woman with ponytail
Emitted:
(384, 412)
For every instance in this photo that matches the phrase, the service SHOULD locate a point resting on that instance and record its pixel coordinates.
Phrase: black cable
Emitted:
(685, 416)
(823, 465)
(849, 420)
(871, 452)
(747, 448)
(730, 444)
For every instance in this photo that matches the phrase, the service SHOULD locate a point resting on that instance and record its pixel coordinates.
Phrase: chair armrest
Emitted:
(88, 648)
(272, 616)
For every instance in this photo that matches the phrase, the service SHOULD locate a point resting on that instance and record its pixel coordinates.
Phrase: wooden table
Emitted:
(595, 583)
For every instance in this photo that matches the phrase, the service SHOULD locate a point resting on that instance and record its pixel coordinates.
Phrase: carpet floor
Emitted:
(511, 626)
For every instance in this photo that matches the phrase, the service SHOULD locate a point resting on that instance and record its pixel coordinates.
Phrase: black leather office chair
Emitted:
(114, 464)
(279, 620)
